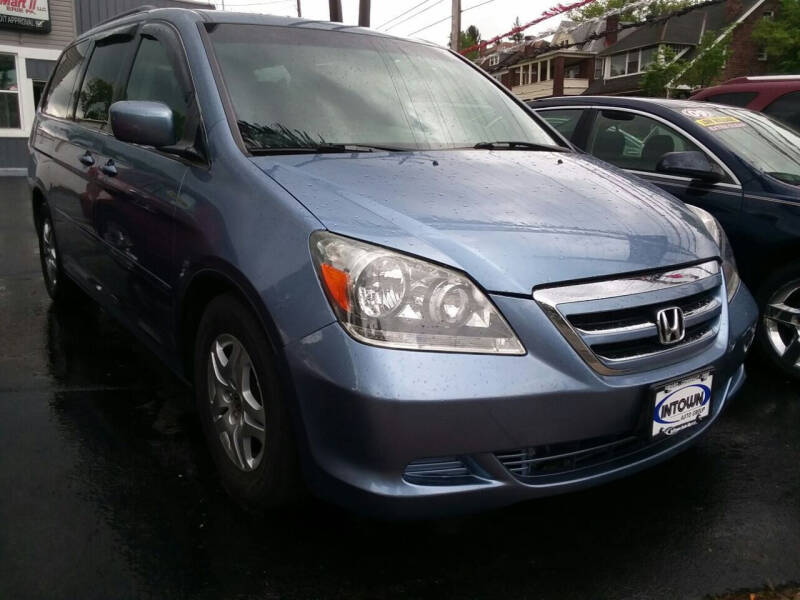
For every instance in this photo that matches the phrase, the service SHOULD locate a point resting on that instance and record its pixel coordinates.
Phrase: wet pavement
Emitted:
(106, 491)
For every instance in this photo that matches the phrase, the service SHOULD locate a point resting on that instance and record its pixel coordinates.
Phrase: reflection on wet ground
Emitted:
(107, 492)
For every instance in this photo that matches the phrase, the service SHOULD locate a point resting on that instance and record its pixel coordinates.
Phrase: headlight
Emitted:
(729, 270)
(388, 299)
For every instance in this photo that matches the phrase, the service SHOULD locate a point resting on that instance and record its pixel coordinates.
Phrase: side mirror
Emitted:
(142, 122)
(690, 164)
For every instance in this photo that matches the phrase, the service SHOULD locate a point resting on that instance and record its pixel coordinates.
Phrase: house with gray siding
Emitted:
(32, 35)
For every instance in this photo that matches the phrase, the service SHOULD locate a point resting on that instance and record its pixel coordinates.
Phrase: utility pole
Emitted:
(455, 30)
(299, 12)
(363, 13)
(336, 10)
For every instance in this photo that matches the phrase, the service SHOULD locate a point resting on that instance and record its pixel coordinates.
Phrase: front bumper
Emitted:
(365, 413)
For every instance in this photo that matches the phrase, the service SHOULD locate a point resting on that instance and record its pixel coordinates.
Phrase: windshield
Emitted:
(293, 87)
(765, 144)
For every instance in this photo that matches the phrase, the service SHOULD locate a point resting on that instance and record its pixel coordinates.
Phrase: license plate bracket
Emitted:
(681, 403)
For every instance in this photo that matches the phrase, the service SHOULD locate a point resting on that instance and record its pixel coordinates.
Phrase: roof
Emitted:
(218, 16)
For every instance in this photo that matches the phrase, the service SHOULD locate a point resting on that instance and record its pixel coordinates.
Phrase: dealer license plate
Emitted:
(682, 403)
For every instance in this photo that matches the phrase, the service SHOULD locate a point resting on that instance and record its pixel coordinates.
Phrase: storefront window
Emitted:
(9, 92)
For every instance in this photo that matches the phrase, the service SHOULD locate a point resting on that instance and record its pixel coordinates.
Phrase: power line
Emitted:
(449, 17)
(402, 14)
(435, 4)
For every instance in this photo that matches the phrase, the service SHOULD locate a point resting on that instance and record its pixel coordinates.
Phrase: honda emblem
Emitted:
(669, 322)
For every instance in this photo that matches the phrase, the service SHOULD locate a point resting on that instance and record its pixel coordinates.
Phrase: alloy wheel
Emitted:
(49, 253)
(782, 324)
(236, 402)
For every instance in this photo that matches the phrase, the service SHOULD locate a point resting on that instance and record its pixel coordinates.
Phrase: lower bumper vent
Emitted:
(445, 470)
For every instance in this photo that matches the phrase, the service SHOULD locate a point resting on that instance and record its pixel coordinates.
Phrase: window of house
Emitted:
(733, 98)
(599, 68)
(618, 64)
(634, 61)
(9, 92)
(633, 141)
(648, 57)
(100, 82)
(58, 100)
(786, 109)
(494, 59)
(153, 78)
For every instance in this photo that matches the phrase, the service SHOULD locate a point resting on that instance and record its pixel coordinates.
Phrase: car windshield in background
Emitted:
(764, 143)
(297, 88)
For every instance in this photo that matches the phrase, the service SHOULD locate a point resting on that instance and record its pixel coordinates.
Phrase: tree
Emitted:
(710, 61)
(780, 37)
(652, 9)
(468, 38)
(519, 36)
(660, 73)
(704, 70)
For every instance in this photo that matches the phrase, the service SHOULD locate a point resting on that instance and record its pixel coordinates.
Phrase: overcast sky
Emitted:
(493, 18)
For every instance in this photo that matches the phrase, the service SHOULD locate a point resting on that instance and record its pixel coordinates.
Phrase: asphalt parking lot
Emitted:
(107, 492)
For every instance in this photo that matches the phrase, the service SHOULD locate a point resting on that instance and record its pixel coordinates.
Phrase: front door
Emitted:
(135, 215)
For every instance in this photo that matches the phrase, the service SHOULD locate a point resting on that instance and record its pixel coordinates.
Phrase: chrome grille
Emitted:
(612, 323)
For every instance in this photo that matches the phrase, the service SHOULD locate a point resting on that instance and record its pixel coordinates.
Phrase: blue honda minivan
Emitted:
(382, 274)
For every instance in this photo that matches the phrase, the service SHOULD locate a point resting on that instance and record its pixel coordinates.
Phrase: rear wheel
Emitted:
(243, 413)
(60, 287)
(779, 329)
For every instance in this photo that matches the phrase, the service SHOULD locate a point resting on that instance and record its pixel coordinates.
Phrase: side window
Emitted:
(786, 109)
(100, 81)
(733, 98)
(153, 78)
(633, 141)
(564, 121)
(58, 101)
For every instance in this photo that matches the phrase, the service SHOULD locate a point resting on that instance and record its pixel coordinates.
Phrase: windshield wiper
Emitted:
(324, 149)
(518, 146)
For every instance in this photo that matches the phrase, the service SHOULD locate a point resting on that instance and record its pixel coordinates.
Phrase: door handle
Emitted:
(109, 168)
(87, 159)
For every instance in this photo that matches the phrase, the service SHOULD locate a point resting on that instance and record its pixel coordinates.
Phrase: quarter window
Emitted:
(153, 78)
(100, 82)
(58, 101)
(564, 121)
(9, 92)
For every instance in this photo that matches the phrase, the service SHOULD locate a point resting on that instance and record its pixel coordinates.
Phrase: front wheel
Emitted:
(243, 412)
(779, 329)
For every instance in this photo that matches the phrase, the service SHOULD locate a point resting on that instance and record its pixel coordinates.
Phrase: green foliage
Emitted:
(780, 37)
(708, 67)
(704, 71)
(519, 36)
(468, 38)
(659, 73)
(655, 8)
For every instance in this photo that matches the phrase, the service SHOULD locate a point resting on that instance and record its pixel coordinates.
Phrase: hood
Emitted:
(512, 220)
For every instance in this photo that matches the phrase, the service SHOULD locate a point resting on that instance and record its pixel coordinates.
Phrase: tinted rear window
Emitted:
(733, 98)
(786, 109)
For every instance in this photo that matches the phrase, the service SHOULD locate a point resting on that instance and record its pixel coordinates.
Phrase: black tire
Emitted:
(777, 285)
(274, 482)
(59, 286)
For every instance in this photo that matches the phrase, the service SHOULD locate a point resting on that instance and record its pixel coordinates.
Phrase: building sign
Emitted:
(30, 15)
